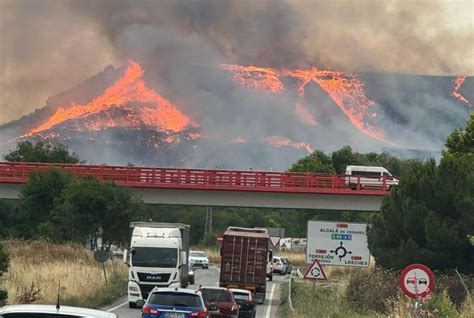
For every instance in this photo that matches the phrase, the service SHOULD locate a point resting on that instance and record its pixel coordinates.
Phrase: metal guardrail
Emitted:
(201, 179)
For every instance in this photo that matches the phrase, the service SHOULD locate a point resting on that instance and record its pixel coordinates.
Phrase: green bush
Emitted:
(372, 290)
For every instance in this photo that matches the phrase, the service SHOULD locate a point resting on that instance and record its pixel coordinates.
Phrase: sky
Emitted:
(50, 46)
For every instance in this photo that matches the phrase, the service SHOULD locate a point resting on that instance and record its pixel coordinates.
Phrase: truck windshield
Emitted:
(155, 257)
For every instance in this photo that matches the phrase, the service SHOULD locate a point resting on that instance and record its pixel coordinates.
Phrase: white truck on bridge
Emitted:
(158, 256)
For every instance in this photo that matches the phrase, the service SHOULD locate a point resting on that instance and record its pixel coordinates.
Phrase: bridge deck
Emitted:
(198, 179)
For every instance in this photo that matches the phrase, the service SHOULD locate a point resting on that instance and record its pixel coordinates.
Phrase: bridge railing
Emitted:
(147, 177)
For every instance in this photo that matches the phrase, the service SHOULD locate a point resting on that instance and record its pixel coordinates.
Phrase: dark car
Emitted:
(174, 302)
(286, 261)
(220, 301)
(244, 299)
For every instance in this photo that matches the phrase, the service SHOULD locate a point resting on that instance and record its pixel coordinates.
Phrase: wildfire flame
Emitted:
(279, 141)
(157, 112)
(257, 78)
(458, 81)
(345, 89)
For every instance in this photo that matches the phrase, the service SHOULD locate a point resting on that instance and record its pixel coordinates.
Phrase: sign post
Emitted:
(417, 280)
(337, 244)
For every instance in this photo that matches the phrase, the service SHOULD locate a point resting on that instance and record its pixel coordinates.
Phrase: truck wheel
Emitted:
(132, 305)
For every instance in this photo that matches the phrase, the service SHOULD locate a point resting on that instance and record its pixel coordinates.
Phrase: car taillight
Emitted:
(200, 313)
(148, 310)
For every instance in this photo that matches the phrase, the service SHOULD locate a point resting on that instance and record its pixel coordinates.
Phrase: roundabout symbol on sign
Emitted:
(315, 272)
(341, 251)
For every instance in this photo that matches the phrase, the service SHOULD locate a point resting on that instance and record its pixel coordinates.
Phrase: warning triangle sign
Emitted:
(315, 272)
(275, 240)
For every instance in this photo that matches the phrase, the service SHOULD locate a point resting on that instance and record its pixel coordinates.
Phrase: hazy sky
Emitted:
(49, 46)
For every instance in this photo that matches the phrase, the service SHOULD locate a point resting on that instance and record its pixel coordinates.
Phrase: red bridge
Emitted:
(215, 187)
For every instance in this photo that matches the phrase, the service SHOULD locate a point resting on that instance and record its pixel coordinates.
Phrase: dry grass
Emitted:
(43, 264)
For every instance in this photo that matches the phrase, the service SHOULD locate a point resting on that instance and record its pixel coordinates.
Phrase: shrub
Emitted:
(372, 289)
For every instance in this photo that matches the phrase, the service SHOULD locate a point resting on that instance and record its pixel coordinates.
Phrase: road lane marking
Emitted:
(269, 308)
(117, 307)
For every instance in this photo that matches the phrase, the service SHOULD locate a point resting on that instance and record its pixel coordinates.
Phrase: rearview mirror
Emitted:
(125, 257)
(184, 258)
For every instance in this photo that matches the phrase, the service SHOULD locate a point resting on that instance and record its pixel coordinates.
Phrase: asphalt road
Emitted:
(210, 277)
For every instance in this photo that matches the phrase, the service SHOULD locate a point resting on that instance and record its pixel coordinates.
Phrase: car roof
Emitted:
(51, 309)
(213, 287)
(240, 291)
(174, 290)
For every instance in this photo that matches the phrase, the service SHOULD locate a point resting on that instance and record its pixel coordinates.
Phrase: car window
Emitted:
(216, 295)
(175, 299)
(240, 296)
(197, 254)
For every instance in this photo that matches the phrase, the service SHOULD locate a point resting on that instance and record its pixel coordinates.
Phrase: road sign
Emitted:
(417, 280)
(275, 240)
(315, 272)
(337, 244)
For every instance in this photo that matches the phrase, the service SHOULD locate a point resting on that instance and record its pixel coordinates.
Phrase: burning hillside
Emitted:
(258, 117)
(128, 103)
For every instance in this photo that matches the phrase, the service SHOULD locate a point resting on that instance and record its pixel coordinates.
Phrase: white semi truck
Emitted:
(158, 256)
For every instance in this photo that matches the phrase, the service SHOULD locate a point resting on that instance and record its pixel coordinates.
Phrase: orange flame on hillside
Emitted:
(156, 112)
(458, 81)
(279, 141)
(345, 89)
(257, 78)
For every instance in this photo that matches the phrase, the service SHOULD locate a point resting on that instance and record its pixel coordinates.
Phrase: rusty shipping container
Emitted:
(244, 258)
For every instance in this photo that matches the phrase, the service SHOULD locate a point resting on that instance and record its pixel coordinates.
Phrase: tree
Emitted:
(27, 151)
(429, 217)
(38, 198)
(461, 141)
(318, 161)
(4, 260)
(90, 209)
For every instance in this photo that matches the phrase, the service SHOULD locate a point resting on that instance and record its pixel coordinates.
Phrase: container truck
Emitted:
(158, 256)
(244, 258)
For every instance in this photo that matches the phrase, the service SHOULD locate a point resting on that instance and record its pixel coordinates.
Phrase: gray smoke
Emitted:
(52, 45)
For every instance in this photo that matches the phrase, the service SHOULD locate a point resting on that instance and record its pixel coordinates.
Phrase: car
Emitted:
(51, 311)
(222, 300)
(174, 302)
(422, 281)
(286, 261)
(278, 266)
(243, 298)
(198, 259)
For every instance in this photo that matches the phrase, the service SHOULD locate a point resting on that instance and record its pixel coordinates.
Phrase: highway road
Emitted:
(210, 277)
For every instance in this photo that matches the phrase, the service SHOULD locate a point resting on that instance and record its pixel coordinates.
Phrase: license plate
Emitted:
(174, 315)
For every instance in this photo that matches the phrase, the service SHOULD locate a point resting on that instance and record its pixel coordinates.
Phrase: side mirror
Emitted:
(140, 303)
(184, 258)
(125, 257)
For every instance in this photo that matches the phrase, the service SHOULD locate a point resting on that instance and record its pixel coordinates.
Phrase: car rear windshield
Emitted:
(175, 299)
(216, 295)
(240, 296)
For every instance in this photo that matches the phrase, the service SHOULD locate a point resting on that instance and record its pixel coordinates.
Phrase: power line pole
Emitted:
(208, 225)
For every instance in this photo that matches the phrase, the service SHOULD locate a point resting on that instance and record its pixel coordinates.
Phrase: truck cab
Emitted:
(157, 257)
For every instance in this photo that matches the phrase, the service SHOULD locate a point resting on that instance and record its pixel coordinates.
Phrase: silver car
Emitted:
(51, 311)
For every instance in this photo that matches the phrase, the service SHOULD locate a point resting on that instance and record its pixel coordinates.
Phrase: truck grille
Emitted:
(156, 278)
(145, 290)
